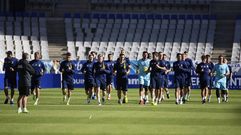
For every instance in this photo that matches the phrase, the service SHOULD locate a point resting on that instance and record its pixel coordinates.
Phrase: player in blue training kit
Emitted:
(9, 67)
(36, 78)
(109, 77)
(221, 71)
(93, 96)
(121, 70)
(88, 71)
(229, 77)
(155, 81)
(203, 70)
(100, 71)
(188, 82)
(144, 77)
(67, 69)
(180, 68)
(211, 65)
(166, 76)
(162, 70)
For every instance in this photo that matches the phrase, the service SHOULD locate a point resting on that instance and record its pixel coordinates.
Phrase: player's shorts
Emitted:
(24, 90)
(145, 81)
(188, 81)
(35, 82)
(68, 84)
(155, 83)
(165, 82)
(109, 80)
(100, 83)
(221, 85)
(179, 82)
(204, 82)
(10, 82)
(122, 84)
(89, 83)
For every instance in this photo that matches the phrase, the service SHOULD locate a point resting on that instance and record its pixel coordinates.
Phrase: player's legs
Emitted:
(109, 90)
(125, 89)
(103, 88)
(6, 90)
(147, 89)
(218, 91)
(141, 94)
(69, 93)
(22, 99)
(177, 95)
(141, 90)
(119, 96)
(109, 87)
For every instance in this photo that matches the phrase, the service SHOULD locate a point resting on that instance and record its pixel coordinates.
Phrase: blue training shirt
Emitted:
(88, 68)
(100, 70)
(110, 66)
(38, 66)
(68, 69)
(180, 69)
(121, 69)
(8, 64)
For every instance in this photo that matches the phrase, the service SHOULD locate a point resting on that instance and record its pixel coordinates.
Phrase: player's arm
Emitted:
(159, 67)
(61, 69)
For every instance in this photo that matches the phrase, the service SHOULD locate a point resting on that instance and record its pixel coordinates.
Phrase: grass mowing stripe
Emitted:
(53, 117)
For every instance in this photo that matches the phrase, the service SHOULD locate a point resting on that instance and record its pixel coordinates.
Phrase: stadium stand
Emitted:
(23, 32)
(236, 55)
(108, 33)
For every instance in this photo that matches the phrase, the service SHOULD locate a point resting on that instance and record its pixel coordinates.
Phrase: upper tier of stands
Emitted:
(108, 33)
(23, 32)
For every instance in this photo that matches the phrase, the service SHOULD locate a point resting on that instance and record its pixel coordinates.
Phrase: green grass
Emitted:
(52, 117)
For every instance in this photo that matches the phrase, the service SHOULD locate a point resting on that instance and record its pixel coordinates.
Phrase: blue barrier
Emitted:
(54, 81)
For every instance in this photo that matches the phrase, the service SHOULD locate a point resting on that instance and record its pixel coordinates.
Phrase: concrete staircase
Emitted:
(223, 40)
(56, 37)
(226, 13)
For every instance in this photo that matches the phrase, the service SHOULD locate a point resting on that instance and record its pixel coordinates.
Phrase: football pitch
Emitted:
(52, 117)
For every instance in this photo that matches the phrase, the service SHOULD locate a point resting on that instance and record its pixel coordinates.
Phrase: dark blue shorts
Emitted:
(100, 83)
(179, 82)
(89, 83)
(10, 82)
(109, 80)
(155, 83)
(35, 82)
(122, 84)
(68, 84)
(188, 81)
(204, 82)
